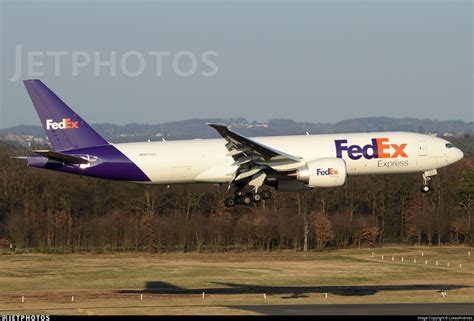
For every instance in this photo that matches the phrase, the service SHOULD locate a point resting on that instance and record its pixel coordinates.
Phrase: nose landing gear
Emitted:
(425, 188)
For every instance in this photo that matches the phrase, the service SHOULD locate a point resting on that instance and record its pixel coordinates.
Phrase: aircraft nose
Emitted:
(457, 154)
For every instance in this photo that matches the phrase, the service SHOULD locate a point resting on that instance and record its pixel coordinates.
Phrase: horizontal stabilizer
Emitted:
(20, 157)
(60, 157)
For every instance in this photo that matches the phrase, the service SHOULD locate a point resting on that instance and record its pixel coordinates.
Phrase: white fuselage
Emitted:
(192, 161)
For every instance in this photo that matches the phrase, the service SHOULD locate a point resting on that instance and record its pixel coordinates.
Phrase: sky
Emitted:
(315, 61)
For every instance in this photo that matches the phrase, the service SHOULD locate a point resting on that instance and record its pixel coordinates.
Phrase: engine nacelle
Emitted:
(323, 172)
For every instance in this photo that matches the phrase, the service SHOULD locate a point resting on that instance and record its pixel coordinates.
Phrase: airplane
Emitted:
(251, 166)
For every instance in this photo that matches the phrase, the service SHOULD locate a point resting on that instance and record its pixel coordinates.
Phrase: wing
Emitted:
(60, 157)
(252, 157)
(238, 144)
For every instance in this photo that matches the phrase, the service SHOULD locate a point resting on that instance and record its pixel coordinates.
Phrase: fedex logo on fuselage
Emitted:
(380, 148)
(66, 123)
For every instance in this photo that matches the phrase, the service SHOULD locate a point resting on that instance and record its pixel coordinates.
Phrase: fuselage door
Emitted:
(422, 148)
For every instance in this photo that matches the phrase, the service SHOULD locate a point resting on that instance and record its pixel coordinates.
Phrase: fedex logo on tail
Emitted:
(66, 123)
(379, 148)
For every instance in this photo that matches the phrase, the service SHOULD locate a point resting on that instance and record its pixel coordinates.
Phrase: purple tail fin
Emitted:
(64, 128)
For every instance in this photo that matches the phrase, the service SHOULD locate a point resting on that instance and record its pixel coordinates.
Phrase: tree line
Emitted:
(48, 211)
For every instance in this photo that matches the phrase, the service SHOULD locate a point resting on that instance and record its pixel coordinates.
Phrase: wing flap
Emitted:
(234, 152)
(248, 173)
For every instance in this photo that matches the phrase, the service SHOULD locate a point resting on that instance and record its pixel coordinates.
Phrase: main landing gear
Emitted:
(247, 198)
(425, 188)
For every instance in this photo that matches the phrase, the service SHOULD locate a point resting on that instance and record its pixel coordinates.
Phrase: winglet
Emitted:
(220, 128)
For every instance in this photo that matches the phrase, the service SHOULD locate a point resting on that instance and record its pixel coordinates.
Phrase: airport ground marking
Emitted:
(437, 263)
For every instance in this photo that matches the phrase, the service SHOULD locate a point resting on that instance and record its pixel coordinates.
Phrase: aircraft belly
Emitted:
(167, 172)
(177, 162)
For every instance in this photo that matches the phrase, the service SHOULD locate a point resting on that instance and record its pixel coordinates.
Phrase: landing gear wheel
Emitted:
(425, 189)
(238, 197)
(256, 197)
(229, 202)
(245, 199)
(266, 194)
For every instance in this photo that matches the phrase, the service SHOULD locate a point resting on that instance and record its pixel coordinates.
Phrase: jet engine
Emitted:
(323, 172)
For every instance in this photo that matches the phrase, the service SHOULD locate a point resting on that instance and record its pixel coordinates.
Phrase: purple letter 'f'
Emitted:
(339, 147)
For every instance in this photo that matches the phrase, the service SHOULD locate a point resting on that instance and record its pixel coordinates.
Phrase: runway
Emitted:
(363, 309)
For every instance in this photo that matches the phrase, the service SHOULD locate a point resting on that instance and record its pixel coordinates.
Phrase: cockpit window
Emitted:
(449, 145)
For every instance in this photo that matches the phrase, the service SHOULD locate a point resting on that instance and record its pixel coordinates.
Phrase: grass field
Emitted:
(174, 283)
